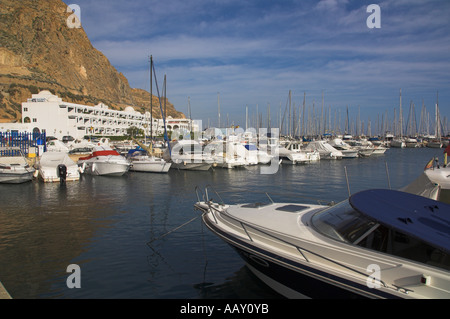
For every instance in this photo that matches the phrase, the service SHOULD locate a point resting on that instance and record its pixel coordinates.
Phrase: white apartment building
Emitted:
(49, 112)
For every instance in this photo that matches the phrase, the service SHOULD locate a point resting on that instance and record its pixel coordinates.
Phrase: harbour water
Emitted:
(124, 232)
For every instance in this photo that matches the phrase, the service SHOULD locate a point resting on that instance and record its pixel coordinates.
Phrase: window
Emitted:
(341, 222)
(399, 244)
(34, 120)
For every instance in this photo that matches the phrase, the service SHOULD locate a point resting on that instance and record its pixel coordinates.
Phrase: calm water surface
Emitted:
(122, 231)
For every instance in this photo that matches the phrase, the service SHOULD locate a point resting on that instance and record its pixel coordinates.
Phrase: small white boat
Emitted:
(14, 168)
(434, 143)
(188, 155)
(398, 143)
(379, 149)
(141, 161)
(57, 146)
(325, 150)
(307, 156)
(250, 153)
(378, 243)
(104, 161)
(225, 154)
(57, 167)
(81, 147)
(346, 150)
(411, 142)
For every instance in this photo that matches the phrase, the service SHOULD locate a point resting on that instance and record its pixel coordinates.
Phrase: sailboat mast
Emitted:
(218, 106)
(190, 118)
(400, 115)
(151, 99)
(303, 114)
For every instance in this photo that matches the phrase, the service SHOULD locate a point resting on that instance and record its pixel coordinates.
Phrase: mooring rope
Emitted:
(171, 231)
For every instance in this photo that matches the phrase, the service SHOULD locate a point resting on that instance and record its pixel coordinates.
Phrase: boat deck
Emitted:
(3, 293)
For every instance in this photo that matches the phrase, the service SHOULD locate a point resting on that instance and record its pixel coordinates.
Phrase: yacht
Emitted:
(57, 167)
(325, 150)
(307, 156)
(142, 161)
(187, 155)
(14, 168)
(398, 143)
(104, 161)
(379, 243)
(346, 150)
(225, 154)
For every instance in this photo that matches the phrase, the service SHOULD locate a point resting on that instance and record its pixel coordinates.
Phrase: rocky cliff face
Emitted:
(38, 50)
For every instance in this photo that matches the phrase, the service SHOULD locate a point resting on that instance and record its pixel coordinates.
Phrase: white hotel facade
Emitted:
(49, 113)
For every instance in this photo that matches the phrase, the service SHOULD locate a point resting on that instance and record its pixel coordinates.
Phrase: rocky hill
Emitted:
(39, 51)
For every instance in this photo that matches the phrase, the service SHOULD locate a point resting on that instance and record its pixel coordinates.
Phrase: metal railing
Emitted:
(26, 142)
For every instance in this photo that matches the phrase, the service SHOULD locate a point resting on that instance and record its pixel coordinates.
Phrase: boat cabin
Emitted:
(391, 222)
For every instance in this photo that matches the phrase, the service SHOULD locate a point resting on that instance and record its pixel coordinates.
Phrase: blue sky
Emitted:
(251, 53)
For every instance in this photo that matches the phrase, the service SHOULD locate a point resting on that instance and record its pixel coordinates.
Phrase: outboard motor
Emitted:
(62, 172)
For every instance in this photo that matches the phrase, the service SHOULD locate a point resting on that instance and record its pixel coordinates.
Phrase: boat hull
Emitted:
(192, 166)
(50, 175)
(293, 279)
(151, 167)
(106, 168)
(16, 177)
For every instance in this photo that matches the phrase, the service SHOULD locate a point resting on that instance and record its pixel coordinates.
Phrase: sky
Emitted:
(246, 56)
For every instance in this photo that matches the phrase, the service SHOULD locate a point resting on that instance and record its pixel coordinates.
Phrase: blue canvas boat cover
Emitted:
(414, 215)
(251, 147)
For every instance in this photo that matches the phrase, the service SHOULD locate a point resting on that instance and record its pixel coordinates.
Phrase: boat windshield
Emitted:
(343, 223)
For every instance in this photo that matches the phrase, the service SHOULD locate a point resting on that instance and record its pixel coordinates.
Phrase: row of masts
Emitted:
(311, 121)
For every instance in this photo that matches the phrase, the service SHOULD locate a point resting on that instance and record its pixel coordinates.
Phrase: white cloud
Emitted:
(254, 54)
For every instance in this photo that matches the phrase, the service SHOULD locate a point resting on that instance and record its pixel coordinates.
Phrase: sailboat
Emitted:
(399, 141)
(437, 141)
(142, 158)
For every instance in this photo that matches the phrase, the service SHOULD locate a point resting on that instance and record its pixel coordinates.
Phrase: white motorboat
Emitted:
(346, 150)
(264, 157)
(104, 161)
(188, 155)
(434, 143)
(290, 157)
(307, 155)
(379, 149)
(398, 143)
(141, 161)
(57, 167)
(325, 150)
(438, 174)
(250, 153)
(411, 142)
(57, 146)
(14, 168)
(225, 154)
(377, 244)
(81, 147)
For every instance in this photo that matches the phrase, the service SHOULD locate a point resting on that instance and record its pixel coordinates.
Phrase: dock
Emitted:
(3, 293)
